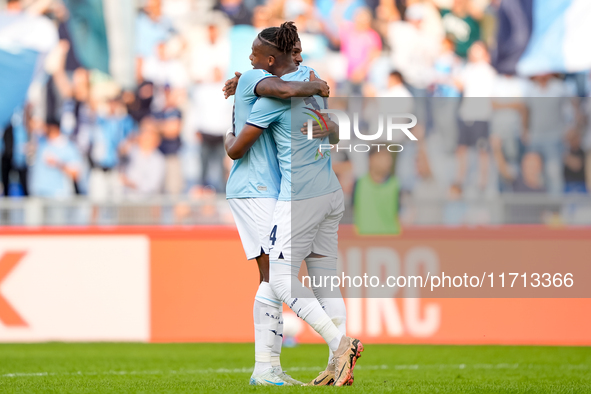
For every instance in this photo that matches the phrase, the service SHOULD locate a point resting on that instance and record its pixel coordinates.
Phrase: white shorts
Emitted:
(306, 226)
(253, 220)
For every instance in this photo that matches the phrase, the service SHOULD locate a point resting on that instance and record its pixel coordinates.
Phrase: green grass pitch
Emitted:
(225, 368)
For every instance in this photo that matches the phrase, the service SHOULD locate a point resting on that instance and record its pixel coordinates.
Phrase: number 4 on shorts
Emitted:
(273, 236)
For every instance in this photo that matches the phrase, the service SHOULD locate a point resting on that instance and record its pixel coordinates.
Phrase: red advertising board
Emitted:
(178, 284)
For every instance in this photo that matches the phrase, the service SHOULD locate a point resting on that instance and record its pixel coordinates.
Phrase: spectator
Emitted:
(428, 192)
(396, 87)
(139, 103)
(444, 111)
(212, 116)
(574, 165)
(507, 128)
(77, 113)
(170, 123)
(213, 51)
(413, 49)
(236, 10)
(335, 14)
(461, 25)
(547, 125)
(477, 80)
(376, 197)
(146, 168)
(360, 44)
(14, 158)
(68, 63)
(165, 69)
(111, 129)
(531, 179)
(56, 165)
(241, 38)
(315, 43)
(151, 29)
(447, 68)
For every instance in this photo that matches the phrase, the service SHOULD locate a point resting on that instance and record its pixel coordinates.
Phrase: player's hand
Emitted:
(323, 88)
(229, 88)
(317, 131)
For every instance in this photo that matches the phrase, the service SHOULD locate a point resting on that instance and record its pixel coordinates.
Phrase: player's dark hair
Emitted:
(282, 38)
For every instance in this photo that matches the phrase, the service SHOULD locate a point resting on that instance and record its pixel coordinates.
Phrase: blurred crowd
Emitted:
(85, 134)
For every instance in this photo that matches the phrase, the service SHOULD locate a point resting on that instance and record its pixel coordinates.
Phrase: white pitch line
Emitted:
(300, 369)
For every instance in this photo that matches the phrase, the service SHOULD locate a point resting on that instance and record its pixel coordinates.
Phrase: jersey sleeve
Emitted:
(306, 70)
(249, 80)
(266, 111)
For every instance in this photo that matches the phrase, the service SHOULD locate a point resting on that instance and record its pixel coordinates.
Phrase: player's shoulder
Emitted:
(271, 102)
(248, 81)
(254, 74)
(304, 71)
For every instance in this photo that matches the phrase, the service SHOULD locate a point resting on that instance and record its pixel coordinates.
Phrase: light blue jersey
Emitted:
(305, 171)
(256, 174)
(48, 180)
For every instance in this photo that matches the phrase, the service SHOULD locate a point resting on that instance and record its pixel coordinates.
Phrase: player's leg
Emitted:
(322, 262)
(252, 217)
(294, 235)
(266, 312)
(284, 267)
(319, 267)
(331, 300)
(275, 324)
(306, 306)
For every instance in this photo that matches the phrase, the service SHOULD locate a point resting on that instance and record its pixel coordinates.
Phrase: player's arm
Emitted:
(278, 88)
(264, 112)
(236, 147)
(333, 137)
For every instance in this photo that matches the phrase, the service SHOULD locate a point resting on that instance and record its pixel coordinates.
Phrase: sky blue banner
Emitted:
(89, 33)
(16, 75)
(543, 36)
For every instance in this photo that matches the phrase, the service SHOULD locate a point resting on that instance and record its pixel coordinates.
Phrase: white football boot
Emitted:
(268, 378)
(285, 377)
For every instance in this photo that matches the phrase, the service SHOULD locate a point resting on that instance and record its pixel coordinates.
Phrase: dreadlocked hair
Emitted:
(282, 38)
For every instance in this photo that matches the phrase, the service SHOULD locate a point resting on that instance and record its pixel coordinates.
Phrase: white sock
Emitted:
(306, 306)
(276, 351)
(331, 301)
(266, 313)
